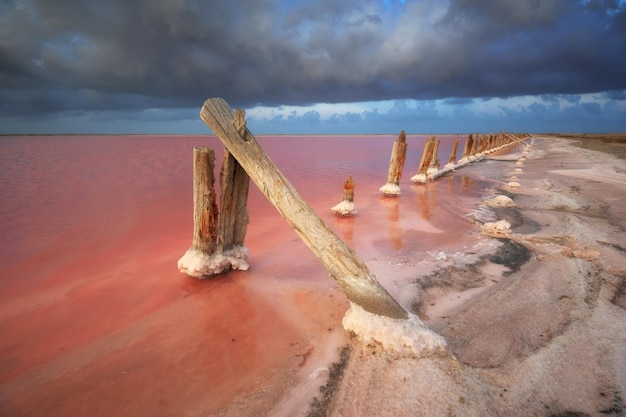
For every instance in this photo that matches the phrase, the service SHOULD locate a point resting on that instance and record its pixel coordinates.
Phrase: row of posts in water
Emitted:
(218, 239)
(476, 147)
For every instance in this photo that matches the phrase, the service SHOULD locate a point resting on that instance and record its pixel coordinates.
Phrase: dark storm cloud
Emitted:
(64, 55)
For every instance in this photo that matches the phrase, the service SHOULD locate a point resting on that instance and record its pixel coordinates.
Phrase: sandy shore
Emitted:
(537, 328)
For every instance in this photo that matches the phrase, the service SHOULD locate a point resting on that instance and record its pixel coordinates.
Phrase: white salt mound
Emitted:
(197, 264)
(390, 189)
(500, 201)
(496, 228)
(512, 184)
(345, 208)
(409, 337)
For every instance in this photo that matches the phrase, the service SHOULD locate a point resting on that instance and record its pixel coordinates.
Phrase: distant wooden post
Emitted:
(343, 264)
(452, 159)
(346, 207)
(396, 164)
(422, 170)
(466, 149)
(433, 167)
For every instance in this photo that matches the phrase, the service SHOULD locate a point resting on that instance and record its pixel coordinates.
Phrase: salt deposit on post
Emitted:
(346, 207)
(409, 337)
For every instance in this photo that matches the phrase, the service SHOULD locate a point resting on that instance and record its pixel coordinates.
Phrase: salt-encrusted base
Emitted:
(345, 208)
(390, 189)
(200, 265)
(409, 337)
(419, 178)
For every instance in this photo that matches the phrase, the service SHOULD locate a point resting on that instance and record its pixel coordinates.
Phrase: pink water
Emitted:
(95, 318)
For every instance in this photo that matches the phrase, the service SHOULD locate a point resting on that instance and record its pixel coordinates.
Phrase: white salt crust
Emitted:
(419, 178)
(501, 227)
(500, 201)
(409, 337)
(345, 208)
(199, 265)
(390, 189)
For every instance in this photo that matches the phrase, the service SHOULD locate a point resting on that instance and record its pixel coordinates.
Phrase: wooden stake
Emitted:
(235, 184)
(343, 264)
(346, 207)
(204, 204)
(396, 164)
(452, 159)
(348, 190)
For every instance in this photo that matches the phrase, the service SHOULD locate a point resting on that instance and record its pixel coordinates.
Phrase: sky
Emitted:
(313, 67)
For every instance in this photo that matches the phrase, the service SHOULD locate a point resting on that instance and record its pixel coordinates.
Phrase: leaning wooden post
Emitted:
(346, 207)
(396, 164)
(343, 264)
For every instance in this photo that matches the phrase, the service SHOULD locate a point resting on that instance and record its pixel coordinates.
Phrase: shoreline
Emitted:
(542, 334)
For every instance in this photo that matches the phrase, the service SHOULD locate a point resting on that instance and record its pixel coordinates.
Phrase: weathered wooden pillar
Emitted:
(467, 149)
(235, 184)
(422, 170)
(216, 246)
(343, 264)
(433, 167)
(396, 164)
(475, 144)
(452, 160)
(346, 207)
(204, 201)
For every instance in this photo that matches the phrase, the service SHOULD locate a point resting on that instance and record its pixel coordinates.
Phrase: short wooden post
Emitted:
(396, 164)
(343, 264)
(346, 207)
(422, 170)
(433, 167)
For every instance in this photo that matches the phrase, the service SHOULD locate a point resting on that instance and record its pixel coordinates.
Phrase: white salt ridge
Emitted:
(390, 189)
(199, 265)
(409, 337)
(345, 208)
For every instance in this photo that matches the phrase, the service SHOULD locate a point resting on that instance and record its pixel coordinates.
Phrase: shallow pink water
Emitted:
(93, 227)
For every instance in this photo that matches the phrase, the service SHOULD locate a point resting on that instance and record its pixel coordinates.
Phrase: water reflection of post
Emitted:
(346, 224)
(422, 201)
(393, 215)
(466, 182)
